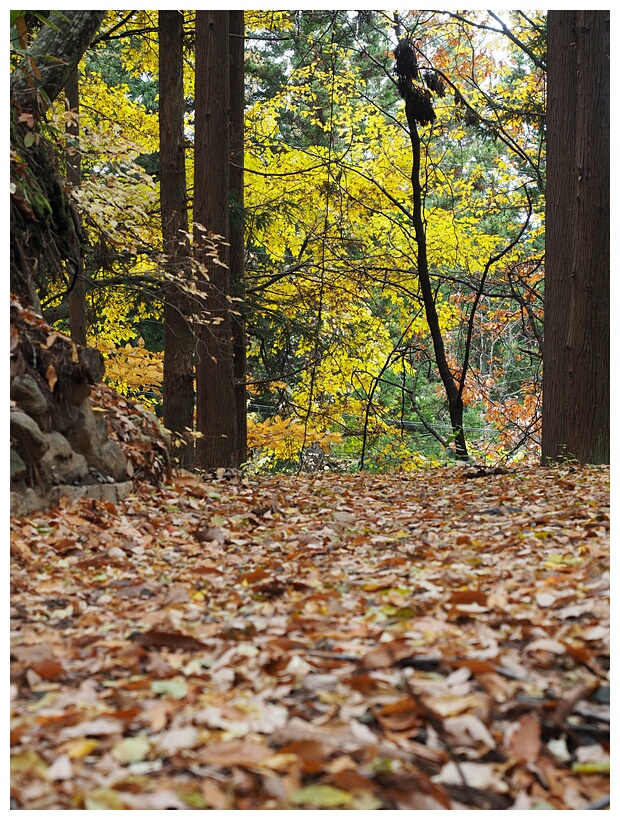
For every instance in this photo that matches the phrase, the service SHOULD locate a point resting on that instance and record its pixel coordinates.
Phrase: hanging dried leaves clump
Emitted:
(417, 98)
(470, 116)
(435, 83)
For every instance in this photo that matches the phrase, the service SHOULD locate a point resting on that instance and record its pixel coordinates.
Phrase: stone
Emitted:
(89, 437)
(24, 503)
(33, 442)
(114, 460)
(61, 465)
(79, 393)
(84, 435)
(18, 467)
(66, 415)
(28, 395)
(18, 364)
(92, 365)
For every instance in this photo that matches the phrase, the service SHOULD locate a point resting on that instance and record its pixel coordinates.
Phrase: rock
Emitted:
(85, 435)
(89, 437)
(17, 366)
(61, 465)
(79, 393)
(91, 362)
(65, 415)
(26, 392)
(114, 460)
(33, 442)
(24, 503)
(18, 467)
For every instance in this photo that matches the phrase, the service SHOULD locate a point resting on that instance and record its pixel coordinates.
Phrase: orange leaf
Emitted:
(387, 654)
(50, 375)
(525, 741)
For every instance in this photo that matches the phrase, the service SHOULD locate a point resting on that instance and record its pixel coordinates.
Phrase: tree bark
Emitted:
(53, 56)
(216, 418)
(237, 240)
(453, 394)
(576, 379)
(46, 236)
(178, 385)
(77, 293)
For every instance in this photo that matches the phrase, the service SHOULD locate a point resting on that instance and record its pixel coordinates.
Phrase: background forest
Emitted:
(343, 343)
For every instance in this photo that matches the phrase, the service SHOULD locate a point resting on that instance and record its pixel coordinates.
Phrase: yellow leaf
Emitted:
(101, 799)
(80, 747)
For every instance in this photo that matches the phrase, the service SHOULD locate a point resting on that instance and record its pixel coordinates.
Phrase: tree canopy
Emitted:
(354, 344)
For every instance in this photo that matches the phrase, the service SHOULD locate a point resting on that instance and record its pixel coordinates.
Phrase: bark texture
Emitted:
(215, 382)
(77, 293)
(576, 380)
(178, 386)
(45, 233)
(453, 394)
(237, 240)
(54, 54)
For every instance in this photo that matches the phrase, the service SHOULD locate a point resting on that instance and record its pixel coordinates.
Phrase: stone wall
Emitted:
(60, 443)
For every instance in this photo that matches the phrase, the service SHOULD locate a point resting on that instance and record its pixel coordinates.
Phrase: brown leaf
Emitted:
(215, 797)
(234, 753)
(207, 534)
(386, 655)
(399, 716)
(469, 596)
(312, 754)
(156, 639)
(48, 669)
(524, 741)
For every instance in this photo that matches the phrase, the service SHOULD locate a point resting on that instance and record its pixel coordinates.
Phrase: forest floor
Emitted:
(434, 640)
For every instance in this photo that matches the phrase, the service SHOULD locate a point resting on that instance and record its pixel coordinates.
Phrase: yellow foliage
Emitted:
(134, 371)
(283, 438)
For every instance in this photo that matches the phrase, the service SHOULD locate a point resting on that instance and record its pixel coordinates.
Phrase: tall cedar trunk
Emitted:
(77, 294)
(216, 418)
(178, 386)
(237, 244)
(576, 380)
(455, 402)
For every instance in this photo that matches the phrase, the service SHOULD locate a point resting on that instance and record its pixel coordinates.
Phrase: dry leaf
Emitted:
(51, 376)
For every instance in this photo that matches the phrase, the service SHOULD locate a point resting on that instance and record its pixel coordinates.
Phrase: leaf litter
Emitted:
(429, 640)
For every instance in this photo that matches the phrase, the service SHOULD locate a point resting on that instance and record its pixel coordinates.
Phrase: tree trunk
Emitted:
(216, 418)
(576, 380)
(453, 394)
(178, 386)
(43, 238)
(53, 56)
(77, 294)
(237, 243)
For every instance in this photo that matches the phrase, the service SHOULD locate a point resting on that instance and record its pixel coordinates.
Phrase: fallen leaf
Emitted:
(234, 753)
(131, 749)
(156, 639)
(61, 769)
(523, 739)
(323, 796)
(174, 688)
(477, 776)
